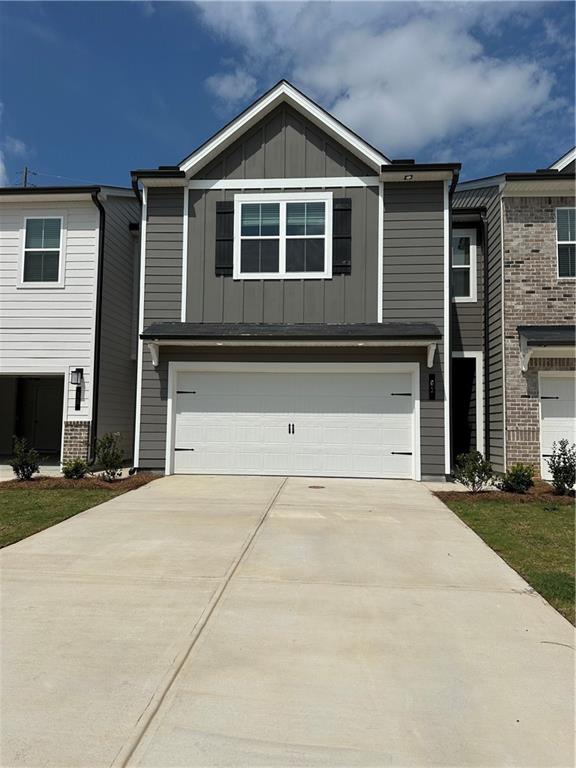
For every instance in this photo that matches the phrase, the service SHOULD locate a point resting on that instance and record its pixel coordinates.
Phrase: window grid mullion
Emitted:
(282, 249)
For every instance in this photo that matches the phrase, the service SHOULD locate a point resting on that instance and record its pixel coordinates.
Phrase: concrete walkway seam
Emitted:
(126, 752)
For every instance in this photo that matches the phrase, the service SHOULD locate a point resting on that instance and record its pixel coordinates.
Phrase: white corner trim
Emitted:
(283, 92)
(315, 182)
(502, 335)
(380, 286)
(565, 160)
(479, 359)
(446, 339)
(185, 255)
(140, 327)
(473, 297)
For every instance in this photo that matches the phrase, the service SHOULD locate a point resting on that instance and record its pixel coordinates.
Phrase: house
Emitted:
(294, 303)
(68, 300)
(513, 315)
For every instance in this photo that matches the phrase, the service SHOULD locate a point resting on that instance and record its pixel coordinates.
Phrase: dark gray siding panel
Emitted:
(413, 288)
(490, 198)
(164, 232)
(342, 299)
(117, 385)
(468, 317)
(155, 388)
(284, 145)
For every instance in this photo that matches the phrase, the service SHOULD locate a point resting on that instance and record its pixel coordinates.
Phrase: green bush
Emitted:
(75, 469)
(473, 471)
(24, 460)
(562, 466)
(109, 455)
(518, 479)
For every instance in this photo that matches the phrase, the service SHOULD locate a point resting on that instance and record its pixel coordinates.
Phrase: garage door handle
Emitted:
(183, 449)
(401, 453)
(549, 397)
(400, 394)
(290, 429)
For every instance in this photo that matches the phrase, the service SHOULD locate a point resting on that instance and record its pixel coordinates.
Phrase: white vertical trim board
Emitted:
(185, 255)
(479, 358)
(447, 359)
(503, 335)
(140, 327)
(380, 288)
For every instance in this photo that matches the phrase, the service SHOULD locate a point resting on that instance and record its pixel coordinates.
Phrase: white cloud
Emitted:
(404, 75)
(15, 146)
(232, 87)
(3, 172)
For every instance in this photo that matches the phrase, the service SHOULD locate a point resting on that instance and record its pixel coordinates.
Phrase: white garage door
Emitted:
(294, 423)
(557, 414)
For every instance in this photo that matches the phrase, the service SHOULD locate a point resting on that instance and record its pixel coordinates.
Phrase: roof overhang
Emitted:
(565, 160)
(541, 184)
(61, 194)
(419, 172)
(282, 92)
(541, 341)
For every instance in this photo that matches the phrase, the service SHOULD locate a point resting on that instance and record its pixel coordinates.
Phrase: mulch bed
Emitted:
(541, 491)
(89, 483)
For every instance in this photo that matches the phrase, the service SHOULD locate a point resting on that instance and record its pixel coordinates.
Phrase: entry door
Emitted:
(557, 414)
(40, 412)
(325, 424)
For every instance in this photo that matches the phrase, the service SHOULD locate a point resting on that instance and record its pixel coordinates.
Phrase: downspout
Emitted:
(98, 328)
(136, 189)
(486, 345)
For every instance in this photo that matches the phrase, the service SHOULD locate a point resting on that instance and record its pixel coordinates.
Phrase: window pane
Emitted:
(315, 218)
(566, 223)
(314, 255)
(34, 230)
(43, 233)
(51, 233)
(296, 219)
(250, 219)
(461, 282)
(567, 260)
(460, 250)
(41, 267)
(270, 219)
(259, 256)
(305, 255)
(295, 255)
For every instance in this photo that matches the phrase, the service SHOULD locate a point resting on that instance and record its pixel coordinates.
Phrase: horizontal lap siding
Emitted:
(468, 317)
(413, 289)
(490, 198)
(50, 330)
(155, 387)
(117, 388)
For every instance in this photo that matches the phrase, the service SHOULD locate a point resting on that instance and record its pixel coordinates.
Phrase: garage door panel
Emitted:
(557, 414)
(345, 424)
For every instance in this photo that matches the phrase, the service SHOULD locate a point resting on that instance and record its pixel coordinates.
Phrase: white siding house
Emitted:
(49, 262)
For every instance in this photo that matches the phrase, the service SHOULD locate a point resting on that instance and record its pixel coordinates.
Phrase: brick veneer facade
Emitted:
(533, 295)
(76, 440)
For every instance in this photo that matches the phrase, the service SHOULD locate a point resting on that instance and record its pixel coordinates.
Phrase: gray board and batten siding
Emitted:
(468, 316)
(489, 197)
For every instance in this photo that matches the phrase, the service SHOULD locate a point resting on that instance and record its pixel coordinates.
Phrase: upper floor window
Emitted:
(283, 236)
(464, 265)
(42, 248)
(566, 241)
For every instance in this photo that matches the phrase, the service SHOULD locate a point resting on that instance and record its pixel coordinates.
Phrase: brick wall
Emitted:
(76, 440)
(533, 295)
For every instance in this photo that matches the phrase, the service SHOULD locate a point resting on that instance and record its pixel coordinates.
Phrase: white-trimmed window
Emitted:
(283, 236)
(566, 241)
(464, 267)
(41, 262)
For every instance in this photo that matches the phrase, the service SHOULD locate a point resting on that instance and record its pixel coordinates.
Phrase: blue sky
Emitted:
(92, 90)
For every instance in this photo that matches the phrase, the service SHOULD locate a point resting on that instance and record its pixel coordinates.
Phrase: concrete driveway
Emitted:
(219, 621)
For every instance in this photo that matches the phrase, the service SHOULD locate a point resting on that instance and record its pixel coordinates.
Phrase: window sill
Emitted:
(39, 286)
(465, 299)
(291, 276)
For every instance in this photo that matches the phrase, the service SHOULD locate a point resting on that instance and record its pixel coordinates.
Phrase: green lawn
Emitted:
(535, 537)
(24, 512)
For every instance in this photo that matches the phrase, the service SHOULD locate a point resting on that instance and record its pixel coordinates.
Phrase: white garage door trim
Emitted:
(176, 367)
(544, 470)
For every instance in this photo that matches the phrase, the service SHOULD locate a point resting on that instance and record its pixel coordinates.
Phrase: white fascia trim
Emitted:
(446, 339)
(380, 286)
(284, 92)
(176, 367)
(315, 182)
(565, 160)
(479, 358)
(473, 298)
(140, 326)
(185, 255)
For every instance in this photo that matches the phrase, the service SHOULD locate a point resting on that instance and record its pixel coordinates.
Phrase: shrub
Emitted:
(473, 471)
(109, 455)
(24, 460)
(562, 466)
(518, 479)
(75, 469)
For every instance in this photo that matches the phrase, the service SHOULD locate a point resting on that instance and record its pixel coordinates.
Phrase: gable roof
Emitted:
(282, 92)
(565, 160)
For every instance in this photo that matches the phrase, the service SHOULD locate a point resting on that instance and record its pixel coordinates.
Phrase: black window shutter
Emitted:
(341, 236)
(224, 237)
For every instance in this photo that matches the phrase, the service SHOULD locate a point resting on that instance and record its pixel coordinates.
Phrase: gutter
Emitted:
(98, 328)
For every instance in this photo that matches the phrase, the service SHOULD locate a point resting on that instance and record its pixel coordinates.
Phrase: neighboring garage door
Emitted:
(357, 424)
(557, 413)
